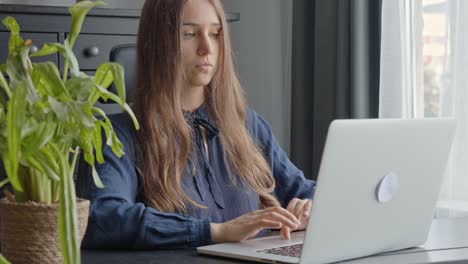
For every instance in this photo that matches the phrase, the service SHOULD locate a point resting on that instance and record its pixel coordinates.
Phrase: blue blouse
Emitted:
(120, 219)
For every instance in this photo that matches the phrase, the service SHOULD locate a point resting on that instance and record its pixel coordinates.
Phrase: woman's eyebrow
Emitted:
(197, 25)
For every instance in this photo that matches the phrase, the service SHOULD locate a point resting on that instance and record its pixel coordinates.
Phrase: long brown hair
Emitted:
(164, 137)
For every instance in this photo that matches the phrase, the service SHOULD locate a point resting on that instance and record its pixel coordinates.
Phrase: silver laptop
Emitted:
(376, 192)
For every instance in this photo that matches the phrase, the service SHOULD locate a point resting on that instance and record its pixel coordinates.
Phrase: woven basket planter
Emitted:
(29, 231)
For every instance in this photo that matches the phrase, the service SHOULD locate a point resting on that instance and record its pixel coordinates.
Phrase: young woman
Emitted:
(203, 168)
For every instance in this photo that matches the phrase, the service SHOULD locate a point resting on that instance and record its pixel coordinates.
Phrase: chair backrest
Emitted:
(126, 56)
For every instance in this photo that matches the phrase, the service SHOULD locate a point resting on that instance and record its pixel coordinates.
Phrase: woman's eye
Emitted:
(215, 35)
(189, 34)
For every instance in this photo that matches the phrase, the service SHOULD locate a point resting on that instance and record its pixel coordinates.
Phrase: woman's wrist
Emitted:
(216, 233)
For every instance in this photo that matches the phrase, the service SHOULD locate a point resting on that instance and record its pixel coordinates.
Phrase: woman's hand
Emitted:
(301, 210)
(249, 225)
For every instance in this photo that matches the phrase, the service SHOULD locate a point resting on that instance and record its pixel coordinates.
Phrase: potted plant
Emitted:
(46, 120)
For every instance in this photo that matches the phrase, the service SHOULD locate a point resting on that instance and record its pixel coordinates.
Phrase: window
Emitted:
(435, 55)
(424, 73)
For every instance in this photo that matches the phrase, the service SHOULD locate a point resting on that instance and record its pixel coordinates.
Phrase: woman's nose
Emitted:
(205, 46)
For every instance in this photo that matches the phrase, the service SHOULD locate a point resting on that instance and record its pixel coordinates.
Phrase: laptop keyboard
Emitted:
(290, 251)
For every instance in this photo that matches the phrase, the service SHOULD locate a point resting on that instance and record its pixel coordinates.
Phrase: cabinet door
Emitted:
(92, 50)
(38, 40)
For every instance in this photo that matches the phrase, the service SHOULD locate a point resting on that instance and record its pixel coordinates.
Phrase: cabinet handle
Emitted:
(33, 49)
(91, 51)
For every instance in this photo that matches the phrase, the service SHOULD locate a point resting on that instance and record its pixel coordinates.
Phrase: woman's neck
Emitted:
(192, 98)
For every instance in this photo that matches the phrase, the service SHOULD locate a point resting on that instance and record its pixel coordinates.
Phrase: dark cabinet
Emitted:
(102, 30)
(38, 40)
(93, 49)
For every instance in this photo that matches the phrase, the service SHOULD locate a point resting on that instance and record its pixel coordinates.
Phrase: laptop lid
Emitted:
(377, 187)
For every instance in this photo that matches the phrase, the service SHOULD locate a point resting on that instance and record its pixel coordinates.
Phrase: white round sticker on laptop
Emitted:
(387, 187)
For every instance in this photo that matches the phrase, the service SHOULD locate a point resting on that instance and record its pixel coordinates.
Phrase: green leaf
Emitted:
(15, 69)
(41, 164)
(111, 139)
(46, 49)
(19, 69)
(6, 88)
(46, 78)
(106, 125)
(68, 223)
(61, 110)
(64, 50)
(41, 135)
(83, 115)
(127, 109)
(88, 157)
(107, 73)
(5, 181)
(48, 159)
(78, 13)
(105, 94)
(3, 68)
(11, 24)
(3, 260)
(117, 146)
(97, 179)
(97, 143)
(103, 79)
(80, 87)
(16, 42)
(118, 74)
(32, 162)
(15, 118)
(104, 76)
(71, 59)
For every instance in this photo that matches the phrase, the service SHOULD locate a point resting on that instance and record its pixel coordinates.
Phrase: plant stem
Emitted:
(55, 191)
(47, 194)
(22, 197)
(65, 71)
(5, 85)
(76, 152)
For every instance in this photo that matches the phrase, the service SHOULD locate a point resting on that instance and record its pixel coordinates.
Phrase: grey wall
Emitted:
(262, 44)
(122, 4)
(39, 2)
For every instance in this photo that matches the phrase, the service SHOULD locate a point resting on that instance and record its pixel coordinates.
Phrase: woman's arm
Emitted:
(290, 181)
(118, 220)
(292, 189)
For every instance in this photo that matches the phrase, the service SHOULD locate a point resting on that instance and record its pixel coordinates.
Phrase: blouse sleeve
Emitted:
(290, 181)
(118, 220)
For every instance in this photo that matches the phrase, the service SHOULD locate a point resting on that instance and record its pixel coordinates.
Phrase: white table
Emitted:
(447, 243)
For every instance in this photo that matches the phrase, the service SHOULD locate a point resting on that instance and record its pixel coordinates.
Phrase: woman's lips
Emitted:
(205, 67)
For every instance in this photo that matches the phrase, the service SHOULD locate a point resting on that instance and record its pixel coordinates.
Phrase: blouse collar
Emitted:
(200, 117)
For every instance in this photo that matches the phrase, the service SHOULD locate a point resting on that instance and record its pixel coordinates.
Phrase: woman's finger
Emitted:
(286, 232)
(275, 216)
(258, 226)
(281, 211)
(266, 223)
(306, 209)
(292, 204)
(299, 208)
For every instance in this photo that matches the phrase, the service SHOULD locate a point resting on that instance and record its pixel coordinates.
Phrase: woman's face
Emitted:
(200, 42)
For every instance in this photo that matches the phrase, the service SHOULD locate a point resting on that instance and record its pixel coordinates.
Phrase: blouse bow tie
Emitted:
(195, 119)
